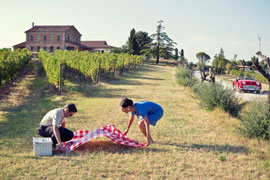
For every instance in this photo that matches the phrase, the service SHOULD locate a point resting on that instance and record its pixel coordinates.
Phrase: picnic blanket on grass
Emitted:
(109, 131)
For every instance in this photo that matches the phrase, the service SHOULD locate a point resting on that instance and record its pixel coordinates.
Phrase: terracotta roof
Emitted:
(243, 66)
(51, 29)
(76, 44)
(23, 44)
(96, 44)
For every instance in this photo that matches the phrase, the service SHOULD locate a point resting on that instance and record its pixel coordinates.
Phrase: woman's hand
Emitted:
(125, 132)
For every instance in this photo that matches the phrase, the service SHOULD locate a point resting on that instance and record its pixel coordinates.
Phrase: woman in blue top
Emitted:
(150, 113)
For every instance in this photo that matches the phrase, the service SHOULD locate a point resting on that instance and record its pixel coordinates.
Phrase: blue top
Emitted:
(146, 108)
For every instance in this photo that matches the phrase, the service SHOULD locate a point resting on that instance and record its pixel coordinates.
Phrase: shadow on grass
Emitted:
(264, 92)
(163, 62)
(215, 148)
(87, 89)
(128, 78)
(111, 147)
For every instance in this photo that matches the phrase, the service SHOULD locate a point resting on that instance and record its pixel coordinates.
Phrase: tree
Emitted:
(182, 52)
(122, 49)
(219, 61)
(163, 45)
(183, 61)
(141, 39)
(228, 66)
(176, 56)
(249, 63)
(132, 44)
(265, 73)
(239, 62)
(244, 62)
(203, 58)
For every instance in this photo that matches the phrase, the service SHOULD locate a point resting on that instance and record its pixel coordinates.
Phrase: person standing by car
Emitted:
(150, 113)
(53, 125)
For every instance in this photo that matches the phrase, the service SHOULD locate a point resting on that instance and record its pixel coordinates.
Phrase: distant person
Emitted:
(53, 125)
(150, 113)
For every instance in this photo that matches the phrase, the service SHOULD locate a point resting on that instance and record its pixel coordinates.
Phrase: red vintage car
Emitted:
(241, 84)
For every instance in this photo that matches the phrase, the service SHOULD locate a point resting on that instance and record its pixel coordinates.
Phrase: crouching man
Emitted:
(53, 125)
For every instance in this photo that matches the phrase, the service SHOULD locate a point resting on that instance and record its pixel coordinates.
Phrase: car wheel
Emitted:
(258, 92)
(240, 90)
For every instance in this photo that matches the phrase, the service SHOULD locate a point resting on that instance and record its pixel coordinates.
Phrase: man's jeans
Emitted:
(47, 131)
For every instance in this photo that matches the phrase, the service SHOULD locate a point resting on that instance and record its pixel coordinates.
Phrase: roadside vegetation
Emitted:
(212, 96)
(253, 117)
(255, 121)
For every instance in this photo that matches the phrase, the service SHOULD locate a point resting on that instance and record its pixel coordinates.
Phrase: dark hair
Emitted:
(71, 107)
(126, 102)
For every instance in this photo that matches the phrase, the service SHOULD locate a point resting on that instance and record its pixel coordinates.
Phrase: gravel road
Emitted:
(244, 96)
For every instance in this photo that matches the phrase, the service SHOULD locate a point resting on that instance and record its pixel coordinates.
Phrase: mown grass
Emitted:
(191, 143)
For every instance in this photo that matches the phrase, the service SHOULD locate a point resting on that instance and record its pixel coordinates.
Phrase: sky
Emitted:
(195, 25)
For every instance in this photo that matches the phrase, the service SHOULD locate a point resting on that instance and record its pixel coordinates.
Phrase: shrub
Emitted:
(255, 122)
(216, 95)
(183, 77)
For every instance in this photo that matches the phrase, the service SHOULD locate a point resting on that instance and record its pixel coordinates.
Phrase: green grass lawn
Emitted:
(190, 143)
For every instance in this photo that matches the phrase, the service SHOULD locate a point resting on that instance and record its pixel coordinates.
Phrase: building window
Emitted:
(58, 37)
(45, 48)
(51, 49)
(52, 37)
(32, 49)
(38, 38)
(58, 47)
(32, 38)
(45, 38)
(38, 49)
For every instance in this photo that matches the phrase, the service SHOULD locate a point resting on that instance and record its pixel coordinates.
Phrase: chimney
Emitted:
(33, 24)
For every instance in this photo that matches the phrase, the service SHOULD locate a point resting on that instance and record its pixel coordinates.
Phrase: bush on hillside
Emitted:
(216, 95)
(256, 121)
(183, 77)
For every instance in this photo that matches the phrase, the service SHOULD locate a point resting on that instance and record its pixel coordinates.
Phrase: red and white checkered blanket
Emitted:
(110, 131)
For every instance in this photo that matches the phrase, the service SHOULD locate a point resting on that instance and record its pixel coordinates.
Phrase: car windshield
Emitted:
(249, 78)
(245, 78)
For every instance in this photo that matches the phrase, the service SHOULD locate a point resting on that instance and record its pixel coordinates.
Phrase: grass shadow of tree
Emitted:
(88, 89)
(132, 77)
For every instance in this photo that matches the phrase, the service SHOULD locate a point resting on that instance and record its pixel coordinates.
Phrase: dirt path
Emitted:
(17, 92)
